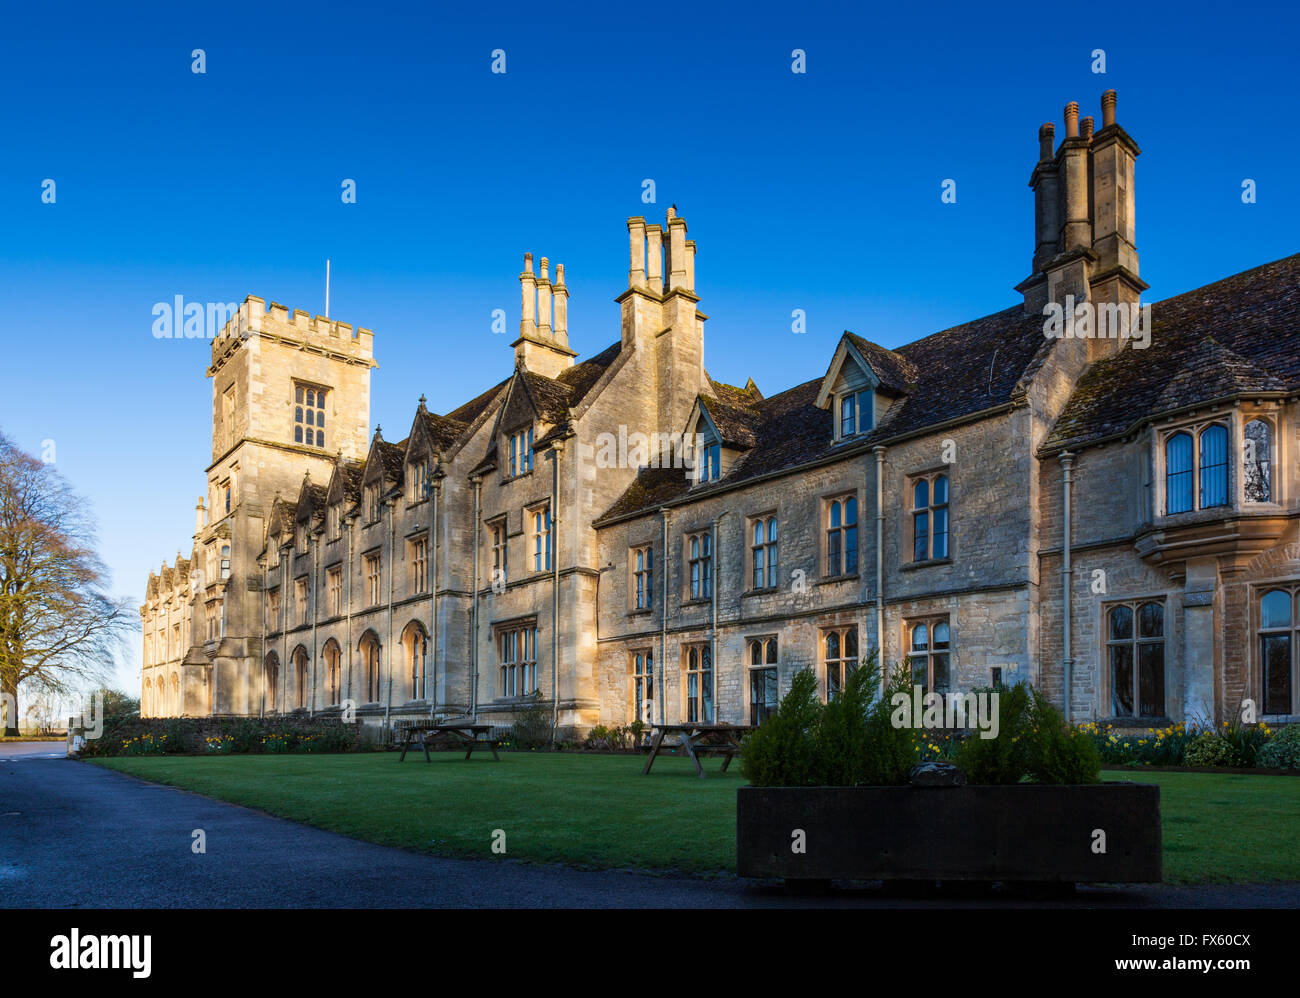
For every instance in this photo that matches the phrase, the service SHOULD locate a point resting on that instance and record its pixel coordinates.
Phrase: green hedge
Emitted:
(133, 735)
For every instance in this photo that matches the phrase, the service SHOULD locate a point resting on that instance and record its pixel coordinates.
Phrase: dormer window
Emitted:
(857, 413)
(519, 453)
(710, 461)
(419, 475)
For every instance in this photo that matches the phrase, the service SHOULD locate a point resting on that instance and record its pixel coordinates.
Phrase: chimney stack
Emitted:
(1108, 109)
(1074, 184)
(655, 258)
(676, 252)
(528, 289)
(1072, 120)
(636, 248)
(544, 300)
(690, 265)
(561, 294)
(1085, 129)
(200, 517)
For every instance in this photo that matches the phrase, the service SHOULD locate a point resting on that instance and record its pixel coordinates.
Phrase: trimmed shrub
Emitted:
(1033, 744)
(532, 728)
(781, 752)
(1211, 749)
(1282, 751)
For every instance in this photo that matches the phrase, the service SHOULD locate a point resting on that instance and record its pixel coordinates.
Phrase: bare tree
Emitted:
(59, 627)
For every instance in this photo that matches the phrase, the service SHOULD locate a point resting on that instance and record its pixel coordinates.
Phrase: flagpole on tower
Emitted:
(327, 288)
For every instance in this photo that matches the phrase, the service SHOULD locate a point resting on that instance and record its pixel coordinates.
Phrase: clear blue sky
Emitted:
(818, 191)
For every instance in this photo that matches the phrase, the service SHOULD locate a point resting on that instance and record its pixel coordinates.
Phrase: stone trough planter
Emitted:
(1105, 832)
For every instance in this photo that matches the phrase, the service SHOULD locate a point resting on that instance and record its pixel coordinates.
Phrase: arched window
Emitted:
(271, 676)
(842, 536)
(763, 552)
(699, 684)
(333, 671)
(176, 705)
(370, 665)
(415, 647)
(1277, 646)
(1214, 466)
(762, 679)
(1257, 463)
(300, 676)
(1178, 473)
(1135, 646)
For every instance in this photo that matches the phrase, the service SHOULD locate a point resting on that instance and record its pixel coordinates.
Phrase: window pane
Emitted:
(758, 531)
(1276, 656)
(865, 415)
(771, 529)
(832, 645)
(1275, 610)
(941, 635)
(921, 494)
(847, 427)
(1151, 678)
(833, 552)
(940, 663)
(851, 643)
(1121, 623)
(850, 550)
(850, 510)
(940, 490)
(771, 653)
(311, 417)
(1214, 466)
(835, 514)
(1178, 473)
(1151, 620)
(920, 637)
(297, 434)
(920, 536)
(1258, 460)
(297, 395)
(939, 549)
(1121, 680)
(756, 653)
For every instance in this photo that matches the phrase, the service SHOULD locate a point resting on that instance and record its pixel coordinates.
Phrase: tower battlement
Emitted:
(278, 321)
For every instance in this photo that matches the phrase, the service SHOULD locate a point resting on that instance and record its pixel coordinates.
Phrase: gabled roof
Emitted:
(281, 520)
(345, 482)
(735, 423)
(311, 502)
(1238, 336)
(956, 373)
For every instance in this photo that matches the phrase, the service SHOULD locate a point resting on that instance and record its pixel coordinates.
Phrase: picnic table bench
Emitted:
(699, 740)
(450, 735)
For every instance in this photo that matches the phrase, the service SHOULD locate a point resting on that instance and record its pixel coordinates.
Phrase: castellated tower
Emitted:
(290, 392)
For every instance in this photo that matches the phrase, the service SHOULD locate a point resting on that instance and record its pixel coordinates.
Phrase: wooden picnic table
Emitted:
(697, 740)
(467, 736)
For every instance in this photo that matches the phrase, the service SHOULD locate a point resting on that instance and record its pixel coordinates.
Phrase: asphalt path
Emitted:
(75, 835)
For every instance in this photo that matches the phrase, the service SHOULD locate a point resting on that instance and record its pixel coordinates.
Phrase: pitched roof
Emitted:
(954, 373)
(1235, 336)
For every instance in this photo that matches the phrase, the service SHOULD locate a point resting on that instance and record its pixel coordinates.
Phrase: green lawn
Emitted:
(598, 811)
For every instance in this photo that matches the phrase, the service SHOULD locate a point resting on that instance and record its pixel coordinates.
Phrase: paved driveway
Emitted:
(75, 835)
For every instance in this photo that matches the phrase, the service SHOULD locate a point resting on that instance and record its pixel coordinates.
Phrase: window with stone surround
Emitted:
(929, 514)
(419, 553)
(699, 565)
(699, 684)
(541, 518)
(839, 657)
(372, 566)
(300, 599)
(228, 416)
(517, 651)
(418, 478)
(643, 561)
(333, 671)
(762, 552)
(370, 667)
(519, 453)
(1278, 641)
(763, 689)
(372, 504)
(300, 664)
(309, 415)
(273, 610)
(1257, 460)
(210, 613)
(500, 553)
(334, 591)
(840, 517)
(929, 653)
(643, 685)
(1135, 658)
(855, 411)
(415, 651)
(225, 562)
(1197, 467)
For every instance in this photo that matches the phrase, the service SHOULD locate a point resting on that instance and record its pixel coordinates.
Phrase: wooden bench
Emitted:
(699, 740)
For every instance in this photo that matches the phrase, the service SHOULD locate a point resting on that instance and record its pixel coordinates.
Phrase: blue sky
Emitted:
(818, 191)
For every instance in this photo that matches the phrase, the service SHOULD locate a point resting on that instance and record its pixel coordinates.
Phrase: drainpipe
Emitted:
(284, 629)
(431, 665)
(473, 688)
(663, 619)
(392, 528)
(311, 601)
(261, 665)
(880, 564)
(1067, 662)
(348, 596)
(556, 451)
(713, 620)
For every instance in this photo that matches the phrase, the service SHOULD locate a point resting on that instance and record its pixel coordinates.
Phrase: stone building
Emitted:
(634, 539)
